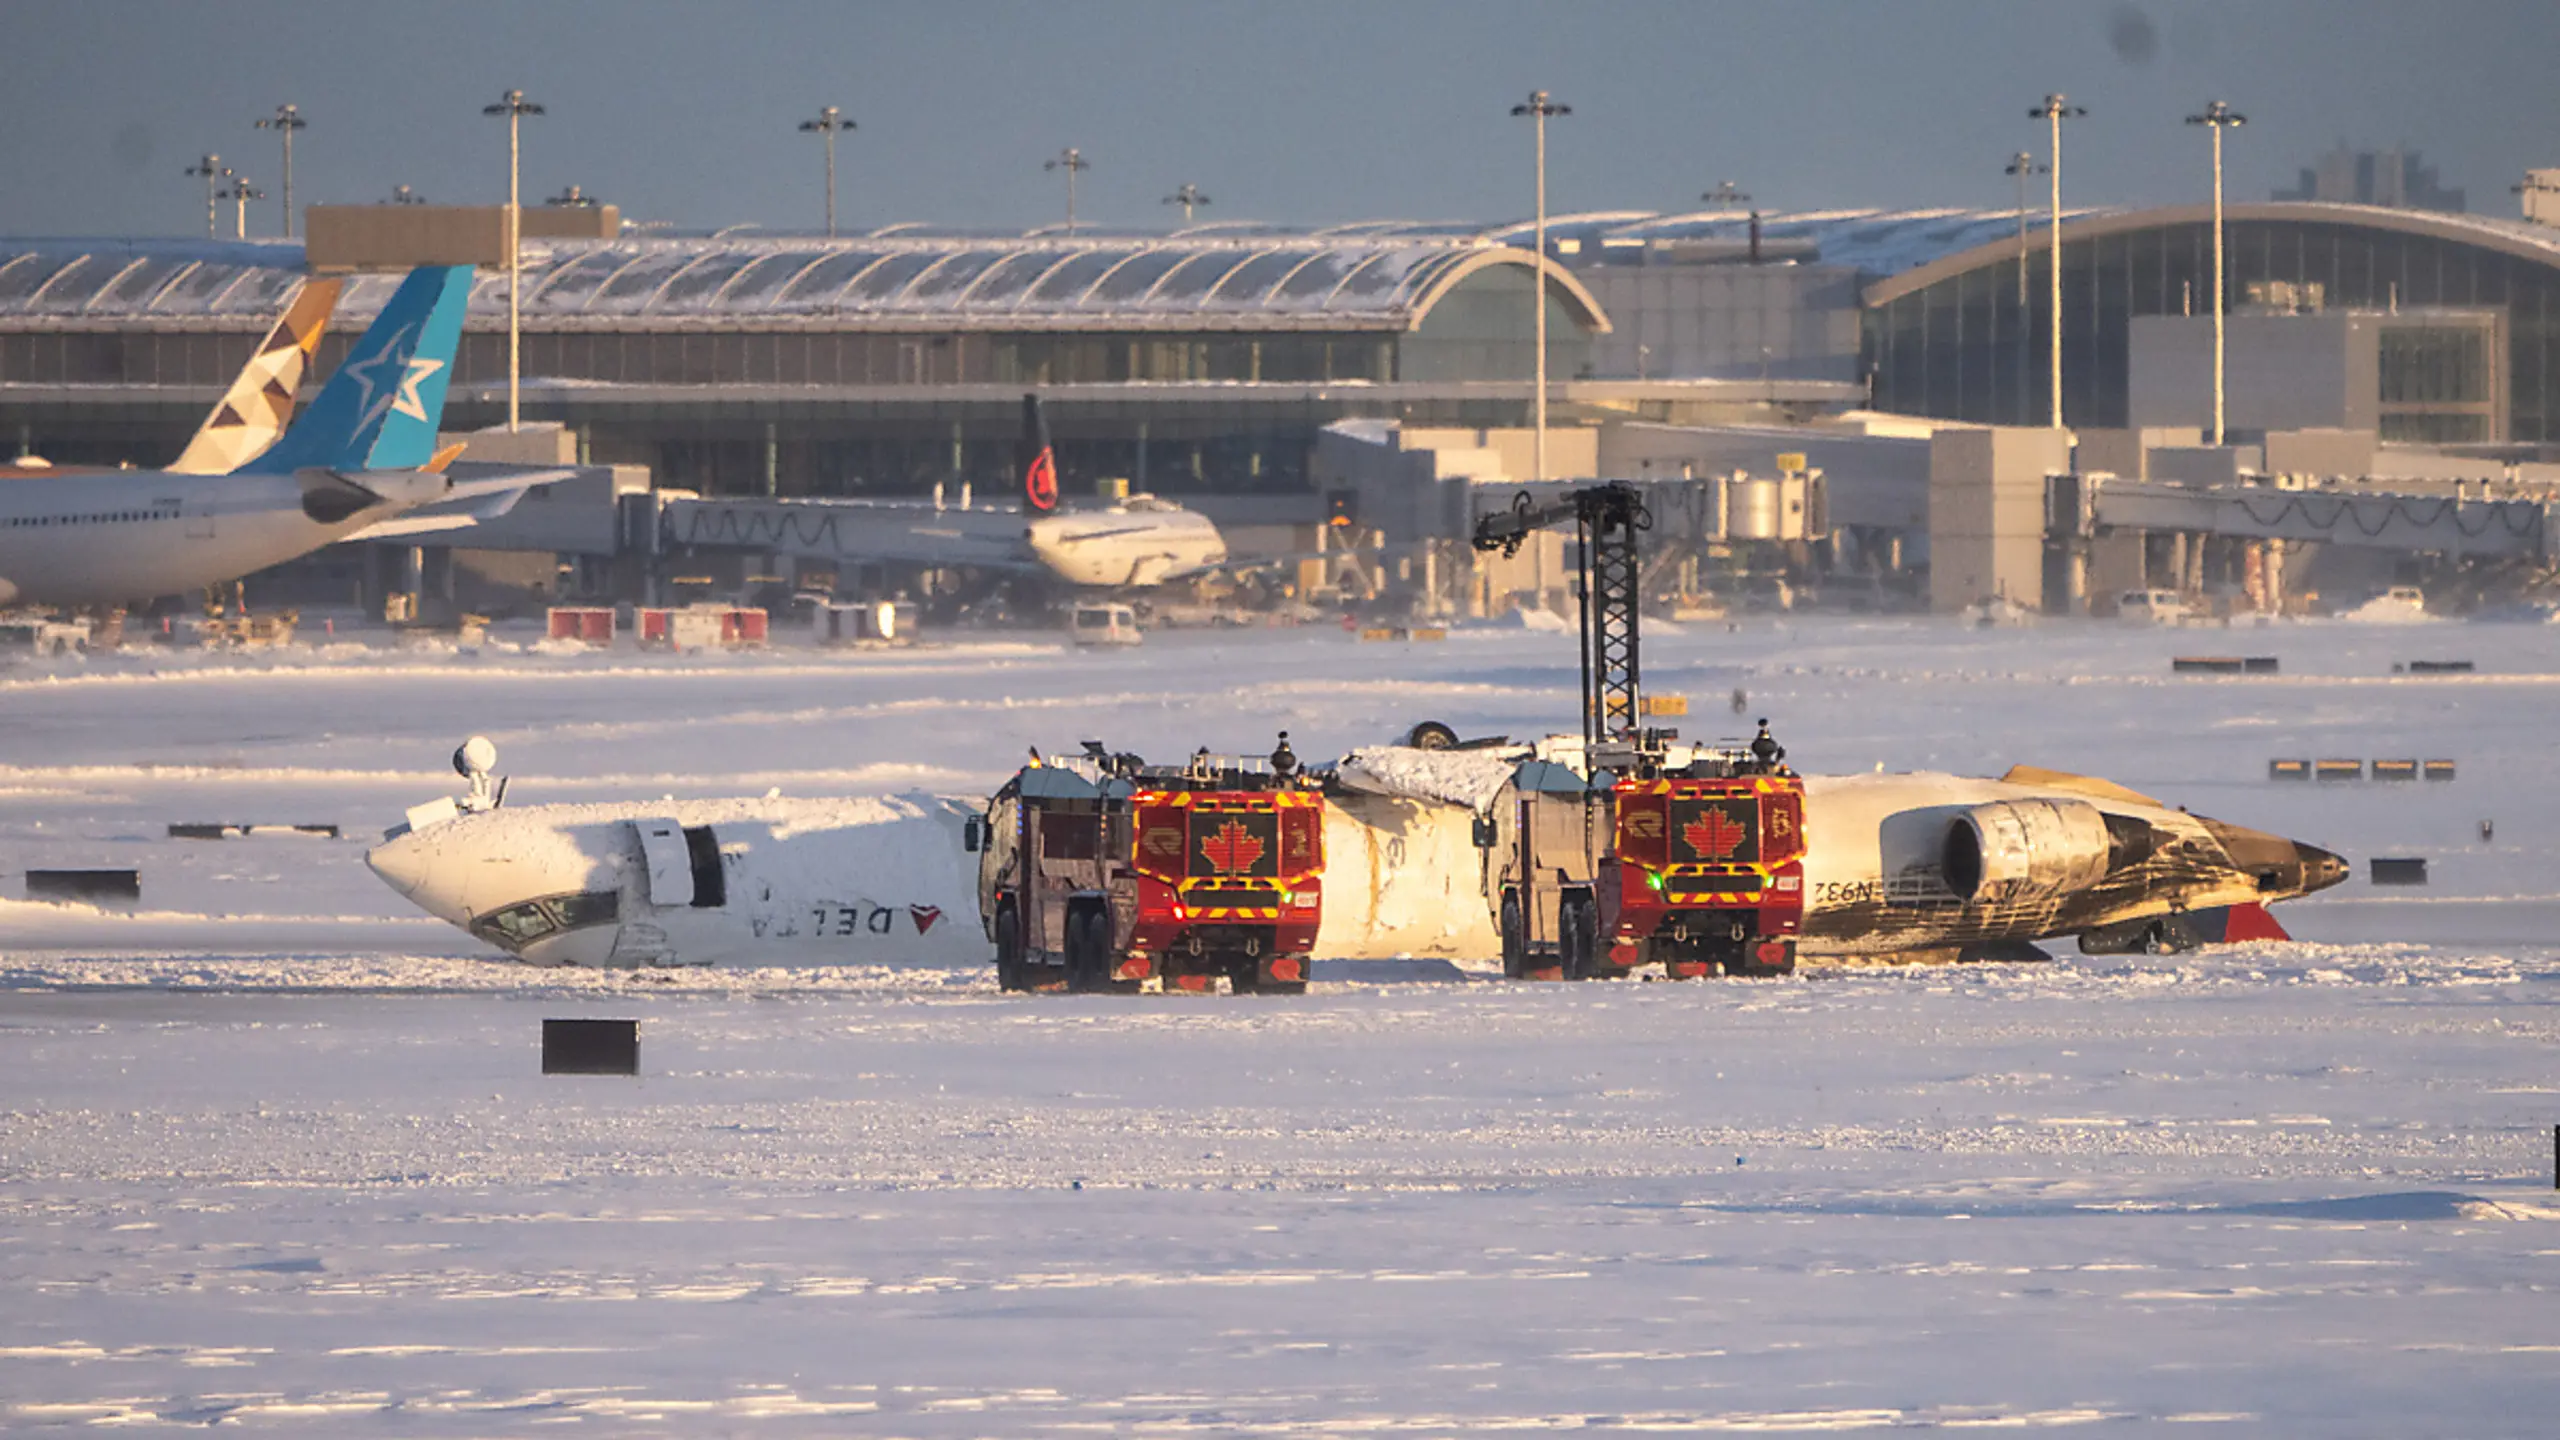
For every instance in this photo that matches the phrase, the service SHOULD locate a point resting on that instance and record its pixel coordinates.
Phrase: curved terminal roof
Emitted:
(1224, 275)
(2521, 238)
(1195, 281)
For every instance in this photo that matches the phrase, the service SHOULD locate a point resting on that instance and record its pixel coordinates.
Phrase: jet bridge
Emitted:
(2467, 522)
(851, 531)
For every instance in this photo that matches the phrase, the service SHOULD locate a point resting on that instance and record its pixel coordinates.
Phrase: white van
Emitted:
(2151, 607)
(1104, 625)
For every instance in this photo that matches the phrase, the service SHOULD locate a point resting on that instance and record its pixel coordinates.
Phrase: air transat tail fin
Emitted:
(1040, 461)
(259, 405)
(381, 409)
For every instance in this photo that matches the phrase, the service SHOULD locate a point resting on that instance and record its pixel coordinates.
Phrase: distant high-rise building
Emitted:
(2374, 177)
(2541, 192)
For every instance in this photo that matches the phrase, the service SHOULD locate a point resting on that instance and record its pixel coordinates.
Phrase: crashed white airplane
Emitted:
(1882, 866)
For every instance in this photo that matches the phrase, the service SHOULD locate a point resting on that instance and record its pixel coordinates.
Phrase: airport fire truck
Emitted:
(1101, 872)
(1633, 848)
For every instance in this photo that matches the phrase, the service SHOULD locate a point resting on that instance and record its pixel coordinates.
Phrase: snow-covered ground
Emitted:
(273, 1150)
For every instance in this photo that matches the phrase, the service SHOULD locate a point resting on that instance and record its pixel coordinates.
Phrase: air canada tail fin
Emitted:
(1040, 462)
(259, 405)
(381, 409)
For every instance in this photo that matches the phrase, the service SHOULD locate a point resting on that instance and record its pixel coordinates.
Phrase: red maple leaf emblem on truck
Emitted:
(1713, 835)
(1232, 848)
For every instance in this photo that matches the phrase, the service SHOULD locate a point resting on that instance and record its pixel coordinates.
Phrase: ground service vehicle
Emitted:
(1104, 624)
(1686, 855)
(1549, 828)
(1102, 872)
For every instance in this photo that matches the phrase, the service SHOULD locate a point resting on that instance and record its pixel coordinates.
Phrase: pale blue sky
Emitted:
(1296, 112)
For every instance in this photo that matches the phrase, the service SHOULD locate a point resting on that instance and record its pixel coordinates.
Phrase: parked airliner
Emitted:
(364, 452)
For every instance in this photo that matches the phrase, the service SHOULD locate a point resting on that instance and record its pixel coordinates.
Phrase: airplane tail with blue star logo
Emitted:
(381, 409)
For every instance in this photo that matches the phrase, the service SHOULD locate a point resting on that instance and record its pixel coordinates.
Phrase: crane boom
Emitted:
(1607, 519)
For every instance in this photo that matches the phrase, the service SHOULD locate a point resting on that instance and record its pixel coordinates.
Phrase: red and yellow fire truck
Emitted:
(1692, 856)
(1101, 873)
(1693, 860)
(1707, 869)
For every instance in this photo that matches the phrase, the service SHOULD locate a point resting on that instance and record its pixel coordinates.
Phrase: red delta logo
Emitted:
(1040, 482)
(1233, 849)
(1713, 835)
(924, 916)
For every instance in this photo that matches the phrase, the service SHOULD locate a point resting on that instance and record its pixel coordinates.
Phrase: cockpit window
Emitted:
(596, 907)
(528, 921)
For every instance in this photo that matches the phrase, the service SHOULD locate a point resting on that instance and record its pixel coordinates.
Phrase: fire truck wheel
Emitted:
(1576, 937)
(1009, 974)
(1087, 944)
(1515, 945)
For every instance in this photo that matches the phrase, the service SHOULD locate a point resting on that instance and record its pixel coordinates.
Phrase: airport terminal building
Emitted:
(1205, 363)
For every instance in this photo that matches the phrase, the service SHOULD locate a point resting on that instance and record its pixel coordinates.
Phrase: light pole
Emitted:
(2056, 109)
(210, 167)
(1540, 110)
(2217, 117)
(2023, 165)
(1073, 162)
(240, 194)
(1187, 197)
(829, 121)
(515, 107)
(286, 120)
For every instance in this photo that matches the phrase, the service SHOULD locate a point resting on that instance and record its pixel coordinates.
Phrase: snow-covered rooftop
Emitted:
(1209, 279)
(1366, 275)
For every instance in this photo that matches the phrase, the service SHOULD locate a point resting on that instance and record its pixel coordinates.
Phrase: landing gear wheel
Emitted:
(1515, 942)
(1009, 976)
(1431, 735)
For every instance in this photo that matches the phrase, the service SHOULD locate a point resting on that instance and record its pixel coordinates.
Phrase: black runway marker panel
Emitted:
(590, 1047)
(88, 887)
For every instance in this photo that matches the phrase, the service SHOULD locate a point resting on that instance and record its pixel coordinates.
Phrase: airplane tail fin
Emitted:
(259, 405)
(1040, 462)
(2238, 924)
(381, 409)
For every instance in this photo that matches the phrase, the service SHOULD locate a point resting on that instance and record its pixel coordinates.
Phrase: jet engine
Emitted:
(2024, 851)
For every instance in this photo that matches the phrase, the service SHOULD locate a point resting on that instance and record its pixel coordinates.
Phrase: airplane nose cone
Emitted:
(2319, 868)
(407, 863)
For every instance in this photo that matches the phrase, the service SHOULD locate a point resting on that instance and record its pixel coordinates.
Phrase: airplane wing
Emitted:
(2088, 785)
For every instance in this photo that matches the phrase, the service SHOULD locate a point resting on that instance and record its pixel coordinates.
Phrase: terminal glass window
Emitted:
(1974, 346)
